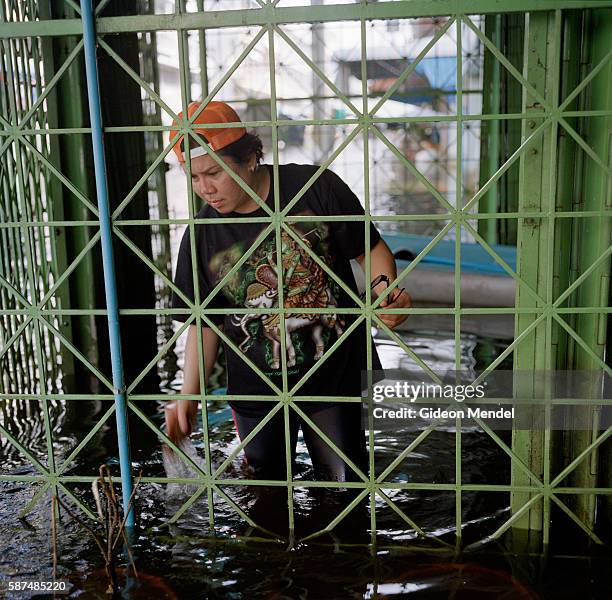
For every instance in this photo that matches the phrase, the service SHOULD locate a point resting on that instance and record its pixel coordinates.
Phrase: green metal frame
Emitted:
(542, 310)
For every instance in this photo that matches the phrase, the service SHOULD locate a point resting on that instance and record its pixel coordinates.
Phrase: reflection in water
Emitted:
(24, 420)
(196, 561)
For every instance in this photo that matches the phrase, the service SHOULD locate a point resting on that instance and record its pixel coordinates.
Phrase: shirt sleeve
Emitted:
(348, 235)
(183, 280)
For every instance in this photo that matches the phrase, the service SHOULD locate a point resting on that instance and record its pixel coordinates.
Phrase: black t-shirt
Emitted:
(305, 284)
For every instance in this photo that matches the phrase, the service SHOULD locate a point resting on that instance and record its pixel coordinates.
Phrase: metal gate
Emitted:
(556, 205)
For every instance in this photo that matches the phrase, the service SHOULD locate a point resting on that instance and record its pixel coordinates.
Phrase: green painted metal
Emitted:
(27, 250)
(56, 212)
(532, 242)
(458, 221)
(593, 241)
(553, 123)
(569, 194)
(70, 157)
(23, 182)
(278, 15)
(569, 177)
(156, 179)
(490, 135)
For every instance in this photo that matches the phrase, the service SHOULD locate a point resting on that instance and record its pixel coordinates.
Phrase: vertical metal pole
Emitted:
(323, 135)
(567, 185)
(110, 283)
(62, 236)
(534, 236)
(367, 266)
(202, 54)
(512, 45)
(597, 185)
(490, 130)
(593, 242)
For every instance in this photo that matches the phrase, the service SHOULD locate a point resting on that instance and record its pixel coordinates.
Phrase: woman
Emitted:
(305, 285)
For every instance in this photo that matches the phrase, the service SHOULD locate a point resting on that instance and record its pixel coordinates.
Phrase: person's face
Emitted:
(211, 183)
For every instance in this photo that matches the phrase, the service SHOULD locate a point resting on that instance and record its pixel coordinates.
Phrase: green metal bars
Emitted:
(30, 263)
(560, 312)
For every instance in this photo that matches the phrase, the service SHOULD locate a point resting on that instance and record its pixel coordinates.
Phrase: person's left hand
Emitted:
(395, 300)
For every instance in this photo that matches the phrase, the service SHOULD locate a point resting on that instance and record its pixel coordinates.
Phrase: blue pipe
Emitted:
(108, 263)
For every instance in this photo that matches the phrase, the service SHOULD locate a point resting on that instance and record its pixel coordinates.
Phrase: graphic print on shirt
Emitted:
(305, 285)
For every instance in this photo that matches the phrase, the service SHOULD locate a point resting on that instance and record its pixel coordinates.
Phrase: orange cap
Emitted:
(217, 138)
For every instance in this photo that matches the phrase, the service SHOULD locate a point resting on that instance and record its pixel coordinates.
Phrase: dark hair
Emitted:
(241, 150)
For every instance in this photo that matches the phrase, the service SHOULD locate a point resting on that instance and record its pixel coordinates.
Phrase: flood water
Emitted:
(239, 561)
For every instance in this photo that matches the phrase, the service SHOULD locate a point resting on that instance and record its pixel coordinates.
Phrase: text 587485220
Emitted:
(18, 585)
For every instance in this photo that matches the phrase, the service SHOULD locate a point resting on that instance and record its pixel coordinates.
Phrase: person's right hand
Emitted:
(180, 417)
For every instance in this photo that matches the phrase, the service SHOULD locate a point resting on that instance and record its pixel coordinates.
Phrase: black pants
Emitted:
(341, 423)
